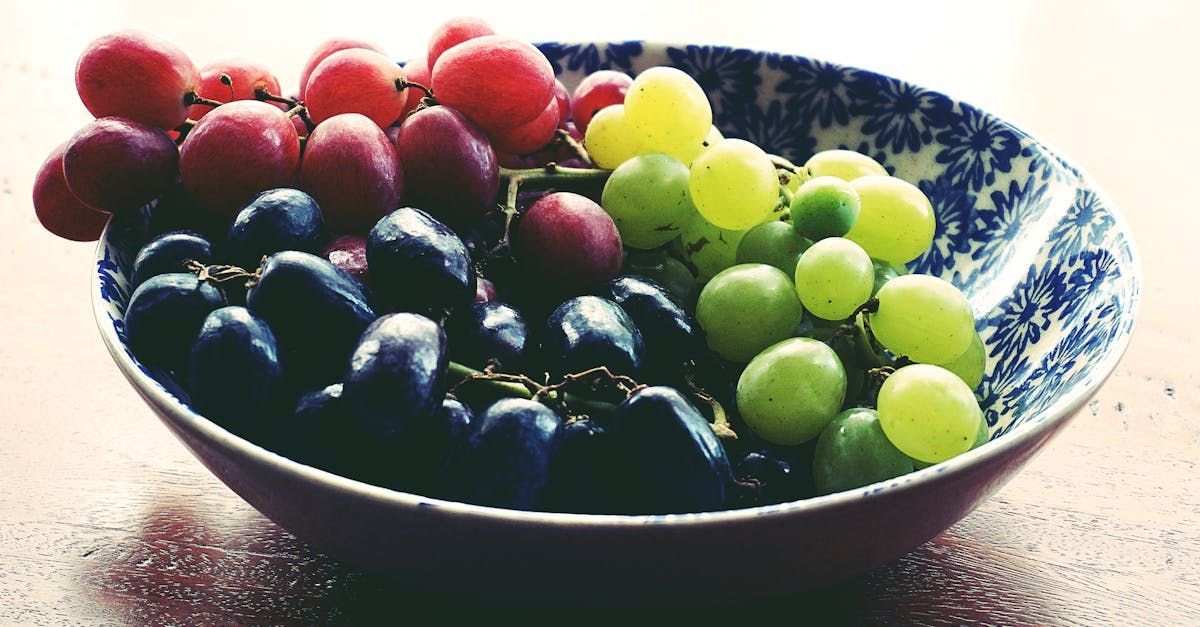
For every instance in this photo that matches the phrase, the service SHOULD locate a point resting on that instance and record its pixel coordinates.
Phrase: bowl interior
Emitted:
(1044, 257)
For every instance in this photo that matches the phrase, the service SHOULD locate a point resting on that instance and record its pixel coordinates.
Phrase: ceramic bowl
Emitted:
(1048, 263)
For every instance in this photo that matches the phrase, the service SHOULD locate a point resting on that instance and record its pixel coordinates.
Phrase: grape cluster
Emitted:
(456, 277)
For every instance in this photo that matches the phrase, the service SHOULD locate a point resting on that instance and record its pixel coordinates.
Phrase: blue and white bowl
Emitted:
(1048, 263)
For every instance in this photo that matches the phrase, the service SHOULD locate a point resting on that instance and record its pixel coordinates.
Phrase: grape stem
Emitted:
(720, 424)
(574, 145)
(183, 130)
(219, 273)
(403, 83)
(193, 98)
(496, 385)
(261, 93)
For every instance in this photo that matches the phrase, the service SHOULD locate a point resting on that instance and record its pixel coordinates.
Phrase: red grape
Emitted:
(564, 102)
(528, 137)
(237, 151)
(245, 76)
(596, 91)
(356, 81)
(301, 126)
(327, 48)
(450, 167)
(116, 164)
(569, 243)
(496, 81)
(485, 290)
(392, 133)
(417, 71)
(352, 170)
(454, 32)
(59, 211)
(136, 75)
(349, 252)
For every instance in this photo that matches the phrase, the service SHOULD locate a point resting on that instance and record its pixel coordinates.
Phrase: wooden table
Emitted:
(105, 518)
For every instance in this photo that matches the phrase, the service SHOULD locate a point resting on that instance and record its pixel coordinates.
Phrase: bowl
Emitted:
(1047, 262)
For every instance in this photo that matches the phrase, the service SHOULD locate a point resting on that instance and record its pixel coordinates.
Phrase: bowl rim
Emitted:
(181, 416)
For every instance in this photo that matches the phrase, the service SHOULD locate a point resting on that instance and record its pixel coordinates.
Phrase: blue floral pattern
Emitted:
(1053, 316)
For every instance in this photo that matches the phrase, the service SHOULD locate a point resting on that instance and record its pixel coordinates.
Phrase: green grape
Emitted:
(970, 365)
(929, 413)
(981, 438)
(844, 164)
(853, 452)
(747, 308)
(714, 136)
(833, 278)
(665, 270)
(825, 206)
(774, 243)
(648, 198)
(709, 248)
(790, 391)
(895, 220)
(923, 318)
(669, 112)
(734, 185)
(884, 272)
(796, 178)
(610, 141)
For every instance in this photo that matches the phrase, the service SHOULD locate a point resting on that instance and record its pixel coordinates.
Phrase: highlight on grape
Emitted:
(457, 277)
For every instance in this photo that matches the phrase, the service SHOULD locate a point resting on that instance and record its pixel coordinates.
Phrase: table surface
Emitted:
(105, 518)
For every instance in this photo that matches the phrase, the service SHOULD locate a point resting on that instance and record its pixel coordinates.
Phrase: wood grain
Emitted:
(105, 519)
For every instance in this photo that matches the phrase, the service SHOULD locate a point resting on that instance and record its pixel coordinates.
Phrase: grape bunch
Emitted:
(456, 277)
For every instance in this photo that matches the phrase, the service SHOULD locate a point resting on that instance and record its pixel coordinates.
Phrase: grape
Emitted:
(234, 375)
(709, 248)
(668, 111)
(582, 479)
(164, 315)
(790, 391)
(664, 270)
(672, 336)
(923, 318)
(527, 137)
(609, 139)
(505, 462)
(853, 452)
(588, 332)
(712, 139)
(116, 164)
(777, 479)
(415, 71)
(419, 264)
(825, 206)
(276, 220)
(970, 365)
(774, 243)
(568, 244)
(734, 185)
(833, 278)
(595, 92)
(488, 331)
(327, 48)
(235, 152)
(245, 76)
(357, 81)
(353, 171)
(450, 167)
(59, 211)
(563, 98)
(453, 32)
(136, 75)
(314, 346)
(169, 253)
(349, 253)
(676, 461)
(485, 291)
(747, 308)
(496, 81)
(844, 164)
(315, 432)
(928, 413)
(648, 199)
(426, 450)
(394, 381)
(895, 222)
(884, 272)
